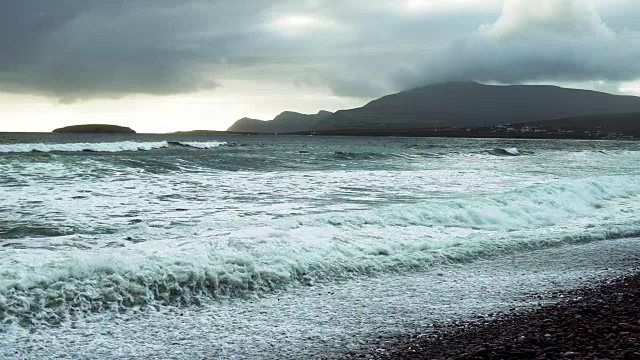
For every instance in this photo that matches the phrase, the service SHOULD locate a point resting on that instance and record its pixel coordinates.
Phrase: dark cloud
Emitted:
(80, 49)
(83, 49)
(545, 41)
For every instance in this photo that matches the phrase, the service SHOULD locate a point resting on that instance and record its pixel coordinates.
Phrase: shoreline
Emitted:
(330, 320)
(601, 321)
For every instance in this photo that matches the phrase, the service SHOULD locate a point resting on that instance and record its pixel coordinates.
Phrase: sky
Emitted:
(169, 65)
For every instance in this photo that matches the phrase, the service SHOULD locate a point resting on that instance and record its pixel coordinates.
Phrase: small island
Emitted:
(95, 129)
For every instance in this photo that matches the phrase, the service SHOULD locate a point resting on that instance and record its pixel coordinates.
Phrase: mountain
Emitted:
(469, 104)
(95, 129)
(286, 122)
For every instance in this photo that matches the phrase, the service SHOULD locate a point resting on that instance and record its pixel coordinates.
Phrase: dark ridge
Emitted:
(625, 126)
(95, 129)
(286, 122)
(468, 104)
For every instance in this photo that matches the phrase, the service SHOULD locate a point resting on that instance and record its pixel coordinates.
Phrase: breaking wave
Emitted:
(506, 152)
(535, 206)
(78, 147)
(103, 146)
(198, 145)
(323, 247)
(342, 155)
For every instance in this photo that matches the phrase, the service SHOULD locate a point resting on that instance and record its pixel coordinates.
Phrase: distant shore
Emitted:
(435, 133)
(472, 133)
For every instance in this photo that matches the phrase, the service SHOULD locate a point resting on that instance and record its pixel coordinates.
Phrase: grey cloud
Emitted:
(620, 15)
(84, 49)
(80, 49)
(356, 88)
(565, 42)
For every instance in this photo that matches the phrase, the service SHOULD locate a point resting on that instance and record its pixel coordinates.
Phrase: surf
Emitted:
(107, 147)
(317, 248)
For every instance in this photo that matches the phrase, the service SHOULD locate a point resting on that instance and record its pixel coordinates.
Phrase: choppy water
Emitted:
(117, 224)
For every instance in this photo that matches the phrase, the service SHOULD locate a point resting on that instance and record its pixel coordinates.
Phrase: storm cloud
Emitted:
(82, 49)
(547, 40)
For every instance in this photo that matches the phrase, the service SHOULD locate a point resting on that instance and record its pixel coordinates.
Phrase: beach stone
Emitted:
(592, 323)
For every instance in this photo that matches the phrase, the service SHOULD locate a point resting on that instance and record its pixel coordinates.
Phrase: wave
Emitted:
(506, 152)
(443, 153)
(79, 147)
(103, 146)
(342, 155)
(18, 230)
(544, 204)
(112, 284)
(198, 144)
(323, 248)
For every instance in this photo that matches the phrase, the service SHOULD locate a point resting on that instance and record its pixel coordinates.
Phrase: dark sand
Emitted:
(602, 322)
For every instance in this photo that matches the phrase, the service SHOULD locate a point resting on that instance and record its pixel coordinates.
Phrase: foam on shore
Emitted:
(331, 319)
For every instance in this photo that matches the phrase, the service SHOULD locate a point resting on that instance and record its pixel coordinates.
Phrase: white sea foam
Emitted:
(320, 248)
(529, 207)
(77, 147)
(511, 151)
(203, 144)
(104, 146)
(132, 236)
(329, 320)
(506, 151)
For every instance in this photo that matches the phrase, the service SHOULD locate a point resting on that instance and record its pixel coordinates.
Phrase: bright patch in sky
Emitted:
(300, 24)
(631, 88)
(207, 110)
(297, 21)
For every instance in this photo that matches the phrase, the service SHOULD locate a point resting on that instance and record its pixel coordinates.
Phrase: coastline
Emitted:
(424, 133)
(601, 321)
(331, 320)
(469, 134)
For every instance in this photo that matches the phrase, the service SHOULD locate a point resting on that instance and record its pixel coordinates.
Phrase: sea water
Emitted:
(110, 231)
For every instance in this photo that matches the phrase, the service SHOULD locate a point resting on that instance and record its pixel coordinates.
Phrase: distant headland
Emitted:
(95, 129)
(469, 109)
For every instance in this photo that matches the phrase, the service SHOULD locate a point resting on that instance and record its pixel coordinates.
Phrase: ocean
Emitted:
(193, 246)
